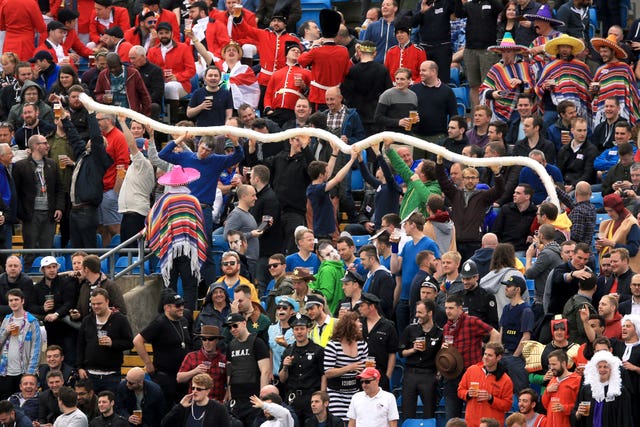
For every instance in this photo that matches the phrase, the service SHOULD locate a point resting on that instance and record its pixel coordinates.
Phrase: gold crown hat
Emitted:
(551, 47)
(366, 47)
(612, 43)
(232, 44)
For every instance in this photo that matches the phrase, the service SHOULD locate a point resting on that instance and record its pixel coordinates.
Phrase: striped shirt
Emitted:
(341, 389)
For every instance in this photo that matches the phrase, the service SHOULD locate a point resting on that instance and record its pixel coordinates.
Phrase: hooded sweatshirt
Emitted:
(482, 258)
(548, 259)
(440, 228)
(328, 282)
(491, 283)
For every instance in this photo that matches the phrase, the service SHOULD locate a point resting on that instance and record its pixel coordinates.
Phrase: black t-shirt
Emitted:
(242, 360)
(171, 341)
(307, 369)
(382, 340)
(216, 116)
(433, 340)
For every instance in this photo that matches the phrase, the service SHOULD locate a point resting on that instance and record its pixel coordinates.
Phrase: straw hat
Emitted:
(551, 47)
(507, 45)
(612, 43)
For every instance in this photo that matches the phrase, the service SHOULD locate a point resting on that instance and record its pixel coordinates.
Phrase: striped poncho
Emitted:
(539, 61)
(175, 227)
(572, 83)
(616, 80)
(498, 79)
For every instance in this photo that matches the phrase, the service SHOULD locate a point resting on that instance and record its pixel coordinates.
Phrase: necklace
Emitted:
(193, 415)
(179, 332)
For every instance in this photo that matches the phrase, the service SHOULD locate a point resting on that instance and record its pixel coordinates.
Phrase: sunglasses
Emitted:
(234, 326)
(282, 307)
(227, 263)
(274, 265)
(208, 338)
(194, 388)
(367, 381)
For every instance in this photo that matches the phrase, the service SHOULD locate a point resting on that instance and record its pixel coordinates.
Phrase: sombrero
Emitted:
(551, 47)
(508, 44)
(612, 43)
(449, 362)
(544, 14)
(179, 176)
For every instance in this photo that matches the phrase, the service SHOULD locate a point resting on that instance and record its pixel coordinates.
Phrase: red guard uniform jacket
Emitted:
(85, 9)
(72, 41)
(21, 19)
(165, 16)
(410, 57)
(223, 17)
(567, 392)
(496, 383)
(179, 59)
(282, 91)
(329, 65)
(120, 17)
(271, 48)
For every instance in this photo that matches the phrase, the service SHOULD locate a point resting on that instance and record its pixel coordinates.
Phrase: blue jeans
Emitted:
(105, 382)
(83, 224)
(208, 271)
(517, 372)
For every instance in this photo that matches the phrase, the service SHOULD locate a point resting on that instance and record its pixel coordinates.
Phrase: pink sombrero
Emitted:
(179, 176)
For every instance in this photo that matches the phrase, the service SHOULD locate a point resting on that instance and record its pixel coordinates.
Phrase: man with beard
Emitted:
(564, 79)
(302, 369)
(560, 395)
(506, 79)
(178, 60)
(527, 402)
(614, 78)
(9, 416)
(137, 393)
(10, 95)
(32, 124)
(379, 280)
(87, 399)
(145, 33)
(514, 219)
(545, 26)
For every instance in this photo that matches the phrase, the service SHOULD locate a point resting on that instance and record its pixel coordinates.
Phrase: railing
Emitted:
(143, 254)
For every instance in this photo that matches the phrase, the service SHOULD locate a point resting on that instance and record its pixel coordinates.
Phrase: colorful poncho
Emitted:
(175, 227)
(572, 83)
(616, 80)
(498, 79)
(539, 61)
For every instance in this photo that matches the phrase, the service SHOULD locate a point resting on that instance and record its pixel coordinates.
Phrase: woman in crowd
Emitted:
(620, 231)
(503, 266)
(66, 78)
(8, 61)
(507, 20)
(344, 358)
(603, 400)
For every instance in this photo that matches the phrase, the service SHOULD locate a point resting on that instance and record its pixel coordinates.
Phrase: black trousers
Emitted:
(440, 54)
(418, 382)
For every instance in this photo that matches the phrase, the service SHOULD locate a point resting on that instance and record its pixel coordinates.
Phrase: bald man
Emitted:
(264, 392)
(13, 277)
(482, 256)
(151, 403)
(583, 213)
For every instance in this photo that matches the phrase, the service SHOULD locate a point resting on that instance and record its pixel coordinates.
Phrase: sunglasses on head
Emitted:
(208, 338)
(227, 263)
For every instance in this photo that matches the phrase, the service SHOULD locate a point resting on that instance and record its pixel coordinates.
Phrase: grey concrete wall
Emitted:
(142, 301)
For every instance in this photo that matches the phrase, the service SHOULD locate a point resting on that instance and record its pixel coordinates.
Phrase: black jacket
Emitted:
(601, 140)
(94, 163)
(267, 204)
(511, 176)
(153, 79)
(512, 226)
(481, 304)
(215, 415)
(577, 166)
(91, 355)
(23, 282)
(23, 134)
(152, 403)
(24, 176)
(64, 296)
(482, 21)
(114, 420)
(331, 421)
(48, 410)
(522, 149)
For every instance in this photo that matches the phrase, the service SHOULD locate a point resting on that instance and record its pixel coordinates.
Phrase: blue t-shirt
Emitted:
(515, 321)
(295, 260)
(324, 221)
(409, 266)
(359, 267)
(216, 116)
(527, 175)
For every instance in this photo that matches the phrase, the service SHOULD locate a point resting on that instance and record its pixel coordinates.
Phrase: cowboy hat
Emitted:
(301, 273)
(507, 45)
(179, 176)
(551, 47)
(449, 362)
(209, 331)
(544, 14)
(612, 43)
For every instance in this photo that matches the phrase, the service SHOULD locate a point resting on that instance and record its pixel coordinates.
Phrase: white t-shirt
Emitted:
(14, 359)
(374, 411)
(72, 419)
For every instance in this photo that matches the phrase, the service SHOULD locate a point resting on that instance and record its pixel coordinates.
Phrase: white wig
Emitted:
(592, 377)
(633, 318)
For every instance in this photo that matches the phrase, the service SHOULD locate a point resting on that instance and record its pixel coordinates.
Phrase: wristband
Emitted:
(394, 248)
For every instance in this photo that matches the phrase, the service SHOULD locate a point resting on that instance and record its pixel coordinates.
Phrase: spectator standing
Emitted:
(21, 22)
(382, 31)
(211, 105)
(514, 219)
(48, 409)
(434, 29)
(126, 85)
(560, 395)
(197, 406)
(13, 277)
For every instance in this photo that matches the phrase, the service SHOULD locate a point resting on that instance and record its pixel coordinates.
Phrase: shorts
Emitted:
(477, 63)
(108, 209)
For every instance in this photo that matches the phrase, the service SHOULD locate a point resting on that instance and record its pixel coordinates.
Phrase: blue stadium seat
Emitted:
(454, 76)
(123, 262)
(35, 267)
(57, 241)
(596, 200)
(63, 263)
(360, 240)
(104, 265)
(115, 241)
(396, 377)
(462, 96)
(98, 240)
(414, 422)
(462, 110)
(599, 219)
